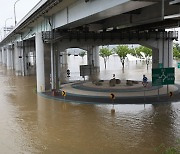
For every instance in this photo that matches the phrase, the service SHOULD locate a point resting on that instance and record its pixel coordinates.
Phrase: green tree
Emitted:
(82, 53)
(122, 51)
(135, 52)
(147, 52)
(132, 51)
(138, 53)
(105, 53)
(177, 46)
(176, 51)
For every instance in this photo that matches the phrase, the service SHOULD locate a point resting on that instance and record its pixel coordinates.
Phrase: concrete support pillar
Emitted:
(17, 58)
(63, 67)
(93, 56)
(56, 59)
(9, 60)
(22, 59)
(25, 64)
(5, 57)
(52, 75)
(162, 52)
(93, 60)
(26, 47)
(40, 75)
(165, 47)
(28, 59)
(0, 56)
(12, 58)
(155, 58)
(47, 65)
(170, 54)
(43, 64)
(168, 60)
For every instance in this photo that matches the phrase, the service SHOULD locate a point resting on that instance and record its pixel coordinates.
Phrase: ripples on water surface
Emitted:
(32, 124)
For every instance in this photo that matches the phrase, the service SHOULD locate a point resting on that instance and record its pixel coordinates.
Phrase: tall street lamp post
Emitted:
(5, 28)
(15, 11)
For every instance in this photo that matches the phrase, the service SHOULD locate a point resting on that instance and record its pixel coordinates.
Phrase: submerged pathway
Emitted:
(88, 93)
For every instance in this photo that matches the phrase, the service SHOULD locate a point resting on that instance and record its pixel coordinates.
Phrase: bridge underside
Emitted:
(121, 35)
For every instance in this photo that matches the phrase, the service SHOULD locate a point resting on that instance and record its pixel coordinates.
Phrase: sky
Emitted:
(22, 7)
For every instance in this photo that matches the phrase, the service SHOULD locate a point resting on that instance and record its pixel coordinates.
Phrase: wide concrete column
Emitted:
(43, 64)
(40, 75)
(162, 51)
(93, 56)
(93, 60)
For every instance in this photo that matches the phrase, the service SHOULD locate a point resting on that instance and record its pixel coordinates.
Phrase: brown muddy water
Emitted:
(30, 123)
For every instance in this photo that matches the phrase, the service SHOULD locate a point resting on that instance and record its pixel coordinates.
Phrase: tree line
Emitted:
(123, 50)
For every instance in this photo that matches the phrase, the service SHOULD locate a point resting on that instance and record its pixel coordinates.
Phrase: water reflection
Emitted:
(30, 123)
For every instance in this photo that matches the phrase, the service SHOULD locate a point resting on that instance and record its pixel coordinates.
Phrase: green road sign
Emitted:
(162, 76)
(160, 65)
(178, 65)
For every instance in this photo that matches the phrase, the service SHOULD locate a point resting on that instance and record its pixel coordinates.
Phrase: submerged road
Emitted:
(87, 92)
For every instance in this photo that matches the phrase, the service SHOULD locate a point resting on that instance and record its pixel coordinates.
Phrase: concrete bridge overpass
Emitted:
(52, 26)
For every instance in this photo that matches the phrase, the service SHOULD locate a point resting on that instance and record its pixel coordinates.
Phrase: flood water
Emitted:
(30, 123)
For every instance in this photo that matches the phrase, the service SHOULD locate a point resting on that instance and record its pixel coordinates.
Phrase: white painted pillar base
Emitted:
(40, 75)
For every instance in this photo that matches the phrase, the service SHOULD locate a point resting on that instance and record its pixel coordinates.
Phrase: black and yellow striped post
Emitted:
(64, 94)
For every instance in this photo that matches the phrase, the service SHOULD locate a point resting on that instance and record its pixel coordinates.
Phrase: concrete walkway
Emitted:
(87, 92)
